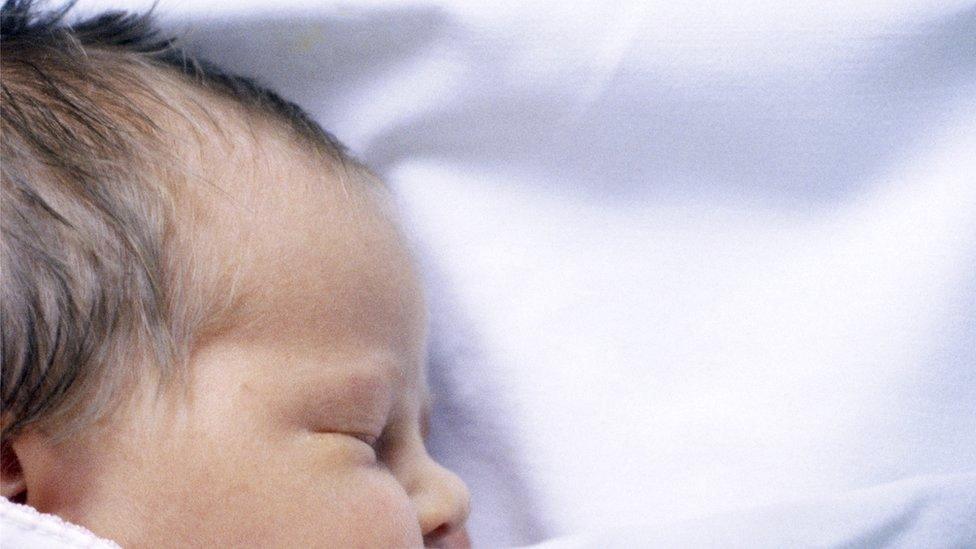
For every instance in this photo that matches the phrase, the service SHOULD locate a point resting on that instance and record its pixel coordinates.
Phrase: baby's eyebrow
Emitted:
(350, 395)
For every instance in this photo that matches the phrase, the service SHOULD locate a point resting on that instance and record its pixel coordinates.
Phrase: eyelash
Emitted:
(370, 440)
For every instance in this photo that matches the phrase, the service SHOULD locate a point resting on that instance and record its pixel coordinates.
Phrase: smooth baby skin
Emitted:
(304, 415)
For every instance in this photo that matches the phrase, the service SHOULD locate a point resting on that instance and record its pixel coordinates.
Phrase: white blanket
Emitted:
(21, 526)
(921, 512)
(685, 260)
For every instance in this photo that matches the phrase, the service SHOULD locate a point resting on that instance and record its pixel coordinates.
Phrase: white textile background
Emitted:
(684, 260)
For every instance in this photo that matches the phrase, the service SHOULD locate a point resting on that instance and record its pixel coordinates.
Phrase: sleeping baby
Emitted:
(213, 334)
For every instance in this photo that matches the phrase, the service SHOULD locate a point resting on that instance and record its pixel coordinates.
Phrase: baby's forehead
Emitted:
(297, 244)
(304, 240)
(322, 282)
(290, 214)
(248, 183)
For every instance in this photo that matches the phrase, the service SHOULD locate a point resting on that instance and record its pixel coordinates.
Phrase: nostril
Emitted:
(446, 536)
(443, 498)
(443, 503)
(439, 532)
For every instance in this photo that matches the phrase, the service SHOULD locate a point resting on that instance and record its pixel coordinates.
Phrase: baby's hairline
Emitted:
(195, 90)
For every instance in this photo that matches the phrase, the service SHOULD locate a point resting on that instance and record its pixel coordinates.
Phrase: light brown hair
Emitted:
(93, 286)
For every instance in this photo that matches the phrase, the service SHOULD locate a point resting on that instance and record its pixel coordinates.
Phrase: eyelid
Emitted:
(369, 440)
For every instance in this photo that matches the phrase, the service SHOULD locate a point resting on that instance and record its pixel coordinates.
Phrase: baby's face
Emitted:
(305, 424)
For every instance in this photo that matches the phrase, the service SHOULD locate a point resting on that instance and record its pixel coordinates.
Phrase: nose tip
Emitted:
(443, 506)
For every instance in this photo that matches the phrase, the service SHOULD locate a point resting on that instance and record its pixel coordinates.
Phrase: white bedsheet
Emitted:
(685, 260)
(920, 512)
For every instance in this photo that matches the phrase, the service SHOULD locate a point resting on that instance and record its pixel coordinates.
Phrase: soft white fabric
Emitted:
(22, 526)
(920, 512)
(685, 258)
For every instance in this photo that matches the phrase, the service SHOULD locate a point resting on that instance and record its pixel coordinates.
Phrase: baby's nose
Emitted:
(443, 504)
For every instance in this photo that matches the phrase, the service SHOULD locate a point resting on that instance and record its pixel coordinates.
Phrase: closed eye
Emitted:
(375, 443)
(369, 440)
(360, 441)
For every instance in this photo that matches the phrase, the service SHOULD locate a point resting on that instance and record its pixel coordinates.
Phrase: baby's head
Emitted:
(212, 331)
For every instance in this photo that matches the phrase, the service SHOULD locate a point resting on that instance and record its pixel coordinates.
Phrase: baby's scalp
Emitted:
(120, 155)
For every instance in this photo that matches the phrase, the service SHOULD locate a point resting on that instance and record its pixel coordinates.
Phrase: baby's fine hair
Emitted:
(92, 295)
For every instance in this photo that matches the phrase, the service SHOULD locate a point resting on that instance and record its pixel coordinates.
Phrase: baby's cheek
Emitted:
(353, 501)
(377, 510)
(295, 506)
(290, 493)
